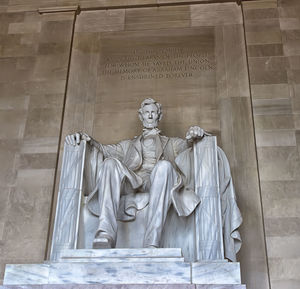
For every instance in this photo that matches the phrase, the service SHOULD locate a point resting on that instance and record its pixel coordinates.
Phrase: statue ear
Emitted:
(160, 117)
(140, 116)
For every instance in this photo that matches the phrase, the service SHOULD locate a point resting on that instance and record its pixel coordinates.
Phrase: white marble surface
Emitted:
(122, 260)
(19, 274)
(123, 253)
(123, 273)
(124, 286)
(123, 266)
(120, 273)
(216, 273)
(99, 273)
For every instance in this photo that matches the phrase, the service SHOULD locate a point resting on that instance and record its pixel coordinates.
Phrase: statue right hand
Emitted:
(76, 138)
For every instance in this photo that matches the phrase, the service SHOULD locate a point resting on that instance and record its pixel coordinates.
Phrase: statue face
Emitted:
(149, 116)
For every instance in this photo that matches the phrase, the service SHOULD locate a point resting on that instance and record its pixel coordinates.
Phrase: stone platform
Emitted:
(132, 286)
(128, 286)
(124, 266)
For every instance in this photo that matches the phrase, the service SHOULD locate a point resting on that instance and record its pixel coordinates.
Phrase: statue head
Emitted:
(150, 113)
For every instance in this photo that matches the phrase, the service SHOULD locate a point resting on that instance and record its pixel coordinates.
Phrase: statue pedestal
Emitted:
(123, 266)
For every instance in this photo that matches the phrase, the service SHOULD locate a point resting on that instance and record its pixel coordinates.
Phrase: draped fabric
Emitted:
(178, 152)
(231, 216)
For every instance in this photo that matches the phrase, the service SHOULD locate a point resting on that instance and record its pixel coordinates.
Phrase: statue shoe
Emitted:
(102, 241)
(151, 247)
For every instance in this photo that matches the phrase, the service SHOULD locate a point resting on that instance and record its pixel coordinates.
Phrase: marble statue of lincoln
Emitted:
(144, 171)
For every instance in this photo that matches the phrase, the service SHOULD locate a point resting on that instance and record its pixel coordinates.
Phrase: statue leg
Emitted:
(163, 178)
(110, 177)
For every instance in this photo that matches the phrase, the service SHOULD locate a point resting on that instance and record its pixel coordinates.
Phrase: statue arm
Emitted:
(112, 150)
(193, 134)
(180, 145)
(109, 151)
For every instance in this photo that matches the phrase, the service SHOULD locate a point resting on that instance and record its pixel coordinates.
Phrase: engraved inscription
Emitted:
(157, 63)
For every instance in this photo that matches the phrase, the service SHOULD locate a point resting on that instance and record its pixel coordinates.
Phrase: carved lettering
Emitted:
(157, 63)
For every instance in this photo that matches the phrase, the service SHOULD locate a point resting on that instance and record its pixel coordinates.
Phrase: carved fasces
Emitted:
(69, 197)
(208, 218)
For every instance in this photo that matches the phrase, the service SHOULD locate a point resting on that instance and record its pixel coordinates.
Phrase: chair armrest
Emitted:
(69, 199)
(208, 217)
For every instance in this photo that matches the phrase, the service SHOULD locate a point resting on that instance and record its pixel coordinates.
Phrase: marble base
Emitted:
(216, 273)
(123, 266)
(128, 286)
(99, 273)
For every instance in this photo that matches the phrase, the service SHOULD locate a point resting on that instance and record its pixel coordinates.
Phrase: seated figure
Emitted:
(156, 172)
(142, 172)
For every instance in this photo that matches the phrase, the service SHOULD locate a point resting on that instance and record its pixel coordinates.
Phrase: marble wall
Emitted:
(273, 44)
(32, 5)
(34, 56)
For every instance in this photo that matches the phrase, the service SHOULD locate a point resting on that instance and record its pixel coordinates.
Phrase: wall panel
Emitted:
(272, 35)
(33, 73)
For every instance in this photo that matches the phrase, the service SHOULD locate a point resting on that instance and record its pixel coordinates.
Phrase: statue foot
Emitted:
(152, 247)
(102, 241)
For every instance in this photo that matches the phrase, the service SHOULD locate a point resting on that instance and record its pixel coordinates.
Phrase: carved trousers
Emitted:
(111, 175)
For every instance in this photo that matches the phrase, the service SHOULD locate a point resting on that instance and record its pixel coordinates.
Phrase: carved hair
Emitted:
(148, 101)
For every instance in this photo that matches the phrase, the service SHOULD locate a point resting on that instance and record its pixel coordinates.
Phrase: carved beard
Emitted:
(154, 124)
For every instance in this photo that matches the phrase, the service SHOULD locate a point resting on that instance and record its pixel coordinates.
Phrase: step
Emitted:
(95, 273)
(116, 259)
(122, 253)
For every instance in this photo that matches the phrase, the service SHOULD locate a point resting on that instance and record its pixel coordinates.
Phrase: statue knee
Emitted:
(110, 163)
(163, 166)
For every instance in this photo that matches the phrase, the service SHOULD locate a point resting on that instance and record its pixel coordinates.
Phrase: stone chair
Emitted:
(200, 235)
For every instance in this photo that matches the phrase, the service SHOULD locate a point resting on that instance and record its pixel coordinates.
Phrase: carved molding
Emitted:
(58, 9)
